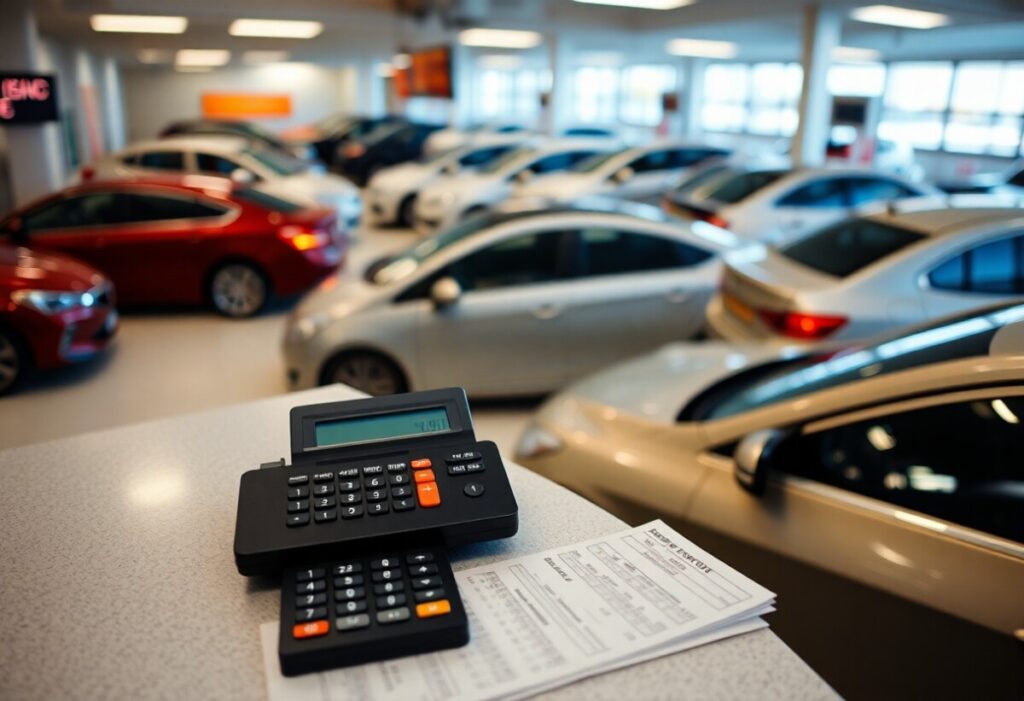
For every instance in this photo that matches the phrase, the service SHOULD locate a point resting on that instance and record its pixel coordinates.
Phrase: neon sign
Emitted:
(27, 98)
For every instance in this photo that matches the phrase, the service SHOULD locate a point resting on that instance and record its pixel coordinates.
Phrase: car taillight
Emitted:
(353, 151)
(716, 220)
(88, 172)
(302, 238)
(802, 326)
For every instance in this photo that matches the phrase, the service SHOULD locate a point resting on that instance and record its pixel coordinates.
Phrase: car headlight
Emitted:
(537, 441)
(52, 301)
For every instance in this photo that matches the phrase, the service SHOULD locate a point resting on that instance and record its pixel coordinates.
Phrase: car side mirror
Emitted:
(445, 292)
(524, 176)
(753, 458)
(623, 175)
(243, 176)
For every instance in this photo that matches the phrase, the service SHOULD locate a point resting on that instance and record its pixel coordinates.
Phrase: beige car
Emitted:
(896, 464)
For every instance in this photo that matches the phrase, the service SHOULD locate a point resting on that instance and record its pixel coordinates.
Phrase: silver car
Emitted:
(511, 303)
(899, 265)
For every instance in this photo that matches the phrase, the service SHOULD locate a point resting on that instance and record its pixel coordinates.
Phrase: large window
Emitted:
(595, 93)
(642, 88)
(915, 101)
(508, 95)
(760, 98)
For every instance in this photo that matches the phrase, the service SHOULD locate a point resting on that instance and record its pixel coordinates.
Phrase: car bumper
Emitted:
(725, 325)
(303, 359)
(67, 338)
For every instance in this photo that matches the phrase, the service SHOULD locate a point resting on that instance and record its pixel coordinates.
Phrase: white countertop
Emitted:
(117, 577)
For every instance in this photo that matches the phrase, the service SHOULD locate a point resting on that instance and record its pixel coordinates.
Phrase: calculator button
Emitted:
(348, 580)
(430, 609)
(351, 511)
(323, 477)
(377, 508)
(390, 601)
(474, 467)
(323, 490)
(376, 482)
(428, 595)
(298, 493)
(298, 479)
(298, 519)
(388, 587)
(428, 495)
(373, 470)
(311, 614)
(384, 563)
(325, 516)
(473, 489)
(421, 463)
(348, 473)
(426, 582)
(348, 486)
(376, 495)
(458, 469)
(347, 568)
(403, 504)
(393, 616)
(306, 575)
(401, 492)
(296, 506)
(349, 593)
(387, 575)
(347, 608)
(310, 587)
(396, 467)
(396, 480)
(310, 600)
(421, 476)
(417, 558)
(310, 630)
(422, 570)
(324, 503)
(350, 498)
(346, 623)
(463, 456)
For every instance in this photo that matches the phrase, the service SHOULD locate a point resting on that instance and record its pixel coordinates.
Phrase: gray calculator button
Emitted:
(348, 473)
(387, 575)
(377, 495)
(376, 482)
(298, 492)
(321, 503)
(311, 614)
(348, 486)
(426, 582)
(384, 563)
(473, 489)
(313, 587)
(323, 490)
(296, 506)
(298, 519)
(349, 593)
(404, 504)
(396, 480)
(377, 508)
(417, 558)
(401, 492)
(347, 608)
(422, 570)
(351, 511)
(390, 601)
(474, 467)
(348, 580)
(393, 615)
(325, 516)
(323, 477)
(298, 479)
(429, 595)
(348, 568)
(388, 587)
(354, 498)
(310, 600)
(373, 470)
(396, 467)
(306, 575)
(354, 622)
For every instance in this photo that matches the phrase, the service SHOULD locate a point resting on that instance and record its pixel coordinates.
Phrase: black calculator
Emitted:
(380, 480)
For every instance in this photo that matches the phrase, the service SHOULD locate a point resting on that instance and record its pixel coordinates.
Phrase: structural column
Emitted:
(691, 97)
(821, 33)
(558, 113)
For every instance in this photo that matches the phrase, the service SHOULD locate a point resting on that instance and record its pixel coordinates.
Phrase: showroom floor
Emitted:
(214, 362)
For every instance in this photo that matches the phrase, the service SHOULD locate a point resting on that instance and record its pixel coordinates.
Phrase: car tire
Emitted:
(13, 361)
(406, 215)
(238, 290)
(368, 371)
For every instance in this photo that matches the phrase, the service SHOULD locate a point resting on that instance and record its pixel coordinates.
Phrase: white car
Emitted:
(893, 464)
(236, 158)
(896, 265)
(391, 193)
(450, 137)
(634, 173)
(1006, 182)
(778, 205)
(511, 303)
(454, 197)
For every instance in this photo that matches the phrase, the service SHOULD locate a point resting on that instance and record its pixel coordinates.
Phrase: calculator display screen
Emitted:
(363, 429)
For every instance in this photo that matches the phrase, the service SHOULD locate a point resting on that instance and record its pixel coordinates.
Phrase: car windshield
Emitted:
(406, 263)
(510, 157)
(276, 162)
(963, 336)
(595, 162)
(742, 184)
(843, 249)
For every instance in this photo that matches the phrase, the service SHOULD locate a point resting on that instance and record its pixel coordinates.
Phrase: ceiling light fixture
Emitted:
(855, 54)
(642, 4)
(285, 29)
(265, 56)
(702, 47)
(899, 17)
(202, 57)
(500, 38)
(139, 24)
(153, 56)
(193, 69)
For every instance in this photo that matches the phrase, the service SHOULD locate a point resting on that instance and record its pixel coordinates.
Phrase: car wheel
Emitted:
(12, 361)
(406, 216)
(370, 372)
(238, 290)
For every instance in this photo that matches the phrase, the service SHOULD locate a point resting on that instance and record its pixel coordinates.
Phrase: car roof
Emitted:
(209, 184)
(211, 142)
(528, 207)
(944, 216)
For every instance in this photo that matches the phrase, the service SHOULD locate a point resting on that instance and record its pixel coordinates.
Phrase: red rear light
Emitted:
(716, 220)
(353, 151)
(88, 172)
(303, 238)
(802, 326)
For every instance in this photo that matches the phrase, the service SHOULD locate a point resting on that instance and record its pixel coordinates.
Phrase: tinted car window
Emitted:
(686, 157)
(266, 201)
(996, 267)
(558, 161)
(522, 260)
(958, 462)
(69, 212)
(483, 155)
(655, 160)
(865, 190)
(162, 160)
(1017, 178)
(742, 185)
(851, 245)
(143, 208)
(828, 192)
(209, 163)
(612, 252)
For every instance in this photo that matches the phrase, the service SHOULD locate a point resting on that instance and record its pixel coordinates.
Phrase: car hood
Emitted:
(319, 183)
(558, 186)
(21, 268)
(657, 386)
(336, 298)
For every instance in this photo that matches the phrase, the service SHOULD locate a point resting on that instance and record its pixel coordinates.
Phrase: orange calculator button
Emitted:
(433, 608)
(424, 476)
(421, 463)
(309, 630)
(428, 494)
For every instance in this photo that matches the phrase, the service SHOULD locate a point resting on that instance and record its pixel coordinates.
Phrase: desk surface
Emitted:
(117, 578)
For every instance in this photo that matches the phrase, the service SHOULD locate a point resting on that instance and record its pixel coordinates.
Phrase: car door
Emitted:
(820, 201)
(985, 273)
(504, 335)
(636, 290)
(77, 225)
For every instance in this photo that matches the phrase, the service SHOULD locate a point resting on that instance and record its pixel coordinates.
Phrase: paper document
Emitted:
(543, 620)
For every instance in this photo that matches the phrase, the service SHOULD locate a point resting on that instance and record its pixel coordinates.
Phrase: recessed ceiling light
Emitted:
(140, 24)
(289, 29)
(154, 55)
(500, 38)
(265, 56)
(899, 17)
(702, 47)
(855, 54)
(642, 4)
(193, 69)
(202, 57)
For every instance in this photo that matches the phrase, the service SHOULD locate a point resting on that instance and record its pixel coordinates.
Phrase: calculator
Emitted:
(359, 523)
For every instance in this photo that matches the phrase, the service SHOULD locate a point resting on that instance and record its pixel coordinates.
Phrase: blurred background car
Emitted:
(389, 144)
(899, 265)
(250, 131)
(235, 158)
(511, 303)
(778, 205)
(327, 136)
(1009, 182)
(53, 311)
(883, 475)
(186, 240)
(449, 138)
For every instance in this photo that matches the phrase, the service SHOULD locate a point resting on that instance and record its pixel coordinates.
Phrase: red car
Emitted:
(188, 239)
(53, 311)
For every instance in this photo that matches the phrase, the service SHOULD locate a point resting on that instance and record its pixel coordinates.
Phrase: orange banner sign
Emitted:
(218, 105)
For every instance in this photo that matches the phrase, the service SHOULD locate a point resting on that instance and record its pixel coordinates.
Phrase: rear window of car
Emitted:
(744, 184)
(842, 249)
(266, 201)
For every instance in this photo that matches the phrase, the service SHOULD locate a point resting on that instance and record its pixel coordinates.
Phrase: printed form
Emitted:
(540, 621)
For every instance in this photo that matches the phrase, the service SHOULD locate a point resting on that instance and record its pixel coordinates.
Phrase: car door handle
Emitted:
(546, 312)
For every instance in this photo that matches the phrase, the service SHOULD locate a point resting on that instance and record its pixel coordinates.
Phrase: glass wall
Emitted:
(758, 98)
(630, 95)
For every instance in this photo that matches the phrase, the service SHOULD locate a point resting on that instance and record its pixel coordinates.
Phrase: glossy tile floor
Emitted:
(171, 362)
